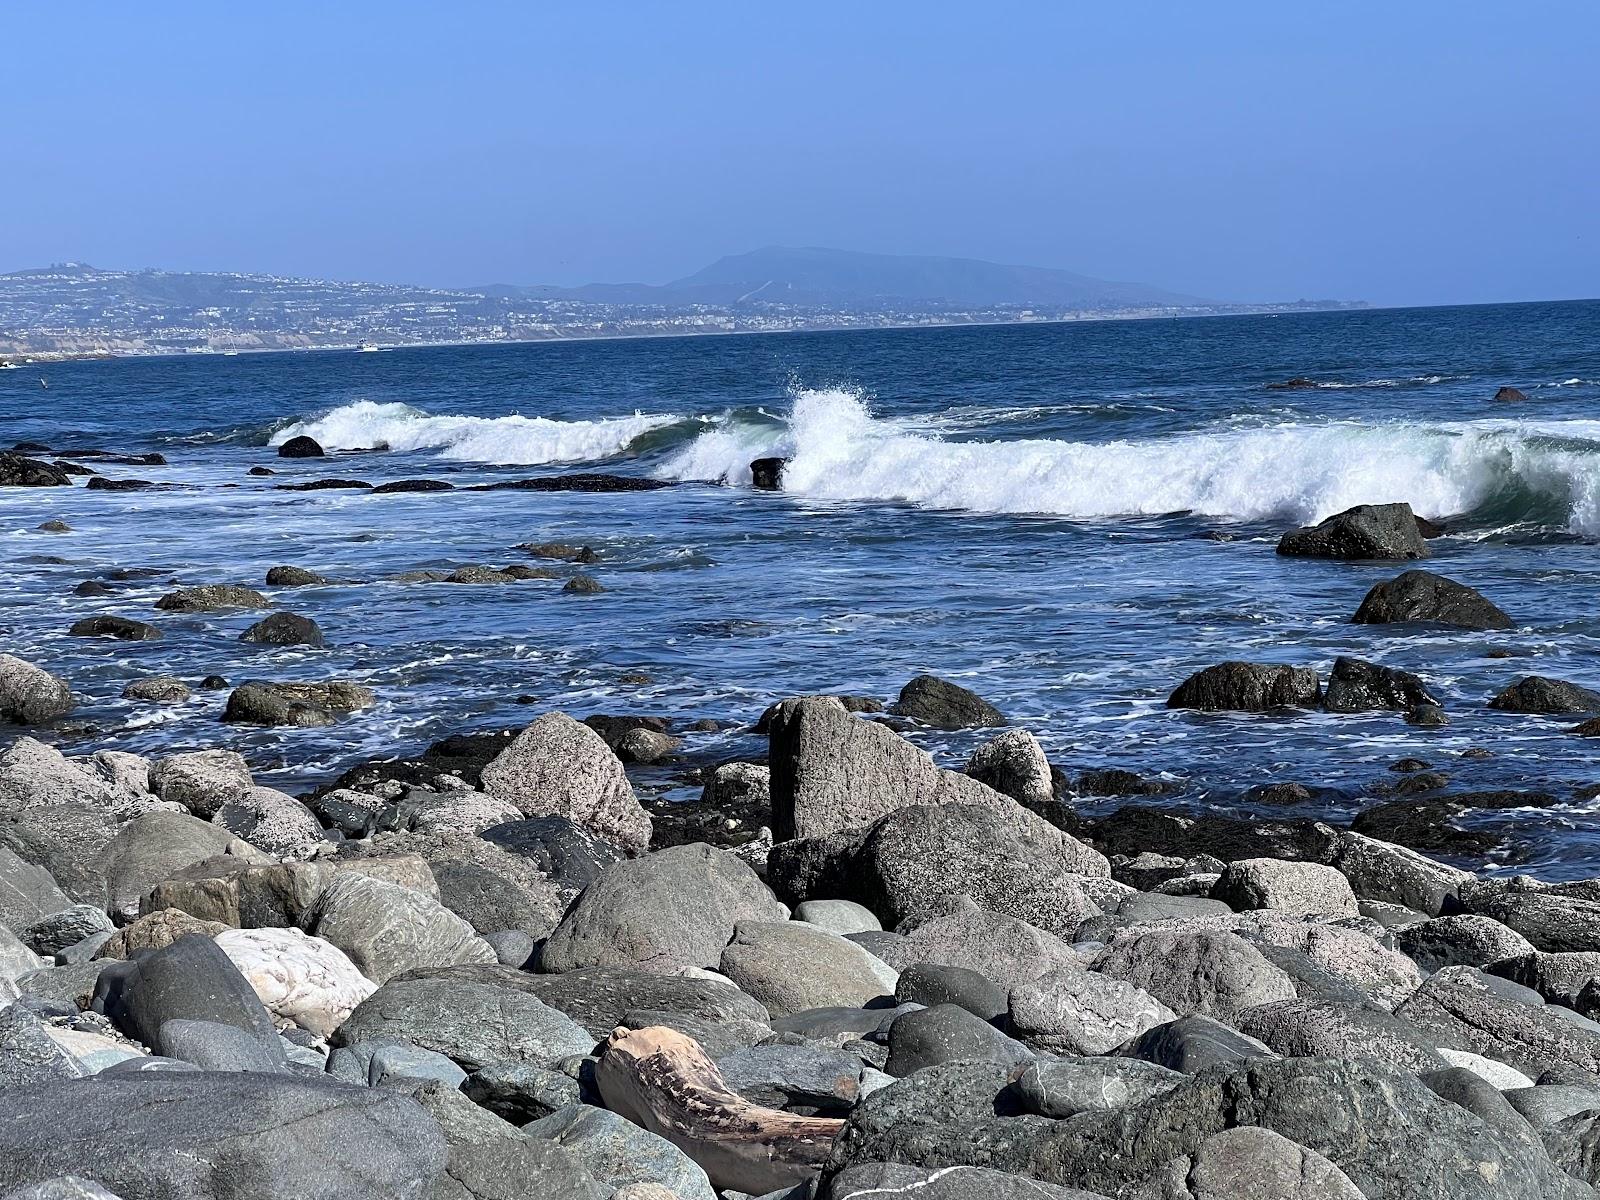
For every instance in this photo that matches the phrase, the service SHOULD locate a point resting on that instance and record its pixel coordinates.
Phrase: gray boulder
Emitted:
(560, 767)
(838, 916)
(1207, 971)
(1340, 1029)
(513, 1167)
(1081, 1012)
(1191, 1044)
(62, 1187)
(956, 932)
(1366, 532)
(27, 893)
(1464, 1009)
(617, 1152)
(945, 705)
(871, 1181)
(1561, 978)
(1358, 686)
(34, 775)
(805, 1079)
(387, 929)
(676, 907)
(213, 1046)
(1014, 765)
(272, 822)
(299, 705)
(947, 1033)
(1254, 1162)
(1248, 687)
(1549, 922)
(155, 847)
(928, 983)
(1291, 887)
(832, 771)
(65, 927)
(30, 696)
(1547, 697)
(1461, 940)
(474, 1023)
(1381, 871)
(1064, 1087)
(791, 967)
(1424, 596)
(69, 840)
(223, 1136)
(202, 781)
(28, 1054)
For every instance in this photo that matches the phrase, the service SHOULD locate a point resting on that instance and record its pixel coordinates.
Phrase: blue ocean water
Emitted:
(1068, 518)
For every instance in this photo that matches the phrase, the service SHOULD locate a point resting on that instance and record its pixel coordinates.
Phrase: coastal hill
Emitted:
(846, 279)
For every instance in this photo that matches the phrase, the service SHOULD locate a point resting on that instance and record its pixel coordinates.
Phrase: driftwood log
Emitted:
(664, 1081)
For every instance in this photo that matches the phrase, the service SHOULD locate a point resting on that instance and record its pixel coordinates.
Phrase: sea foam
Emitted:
(1304, 470)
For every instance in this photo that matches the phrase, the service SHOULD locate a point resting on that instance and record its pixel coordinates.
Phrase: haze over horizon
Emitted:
(1430, 154)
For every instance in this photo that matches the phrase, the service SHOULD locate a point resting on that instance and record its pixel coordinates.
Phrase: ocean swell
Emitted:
(1502, 471)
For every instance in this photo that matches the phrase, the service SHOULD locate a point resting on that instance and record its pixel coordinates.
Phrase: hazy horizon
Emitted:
(1430, 155)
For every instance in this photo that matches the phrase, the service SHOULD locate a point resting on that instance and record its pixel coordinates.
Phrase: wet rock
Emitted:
(213, 597)
(284, 629)
(301, 447)
(560, 551)
(945, 705)
(1538, 694)
(1424, 596)
(294, 577)
(31, 696)
(1510, 394)
(1366, 532)
(737, 785)
(302, 705)
(413, 485)
(560, 767)
(645, 746)
(1248, 687)
(124, 629)
(562, 850)
(635, 913)
(19, 471)
(583, 585)
(158, 689)
(766, 474)
(582, 481)
(1357, 686)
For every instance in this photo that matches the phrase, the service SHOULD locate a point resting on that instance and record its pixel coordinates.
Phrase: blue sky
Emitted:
(1402, 152)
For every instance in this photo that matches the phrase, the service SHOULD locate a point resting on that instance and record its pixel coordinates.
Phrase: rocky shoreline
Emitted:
(500, 969)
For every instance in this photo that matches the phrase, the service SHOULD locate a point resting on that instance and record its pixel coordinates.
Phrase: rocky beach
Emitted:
(422, 819)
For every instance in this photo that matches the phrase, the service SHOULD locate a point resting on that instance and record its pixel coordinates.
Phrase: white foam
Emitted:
(513, 440)
(1301, 469)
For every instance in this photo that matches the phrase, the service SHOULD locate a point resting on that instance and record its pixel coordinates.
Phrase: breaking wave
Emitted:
(366, 425)
(1497, 472)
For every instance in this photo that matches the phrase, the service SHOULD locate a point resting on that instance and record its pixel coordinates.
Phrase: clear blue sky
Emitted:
(1408, 151)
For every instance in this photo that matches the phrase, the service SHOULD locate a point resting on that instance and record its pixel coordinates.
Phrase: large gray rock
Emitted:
(472, 1022)
(947, 1033)
(33, 775)
(1207, 971)
(790, 967)
(1340, 1029)
(956, 932)
(30, 696)
(387, 929)
(1253, 1162)
(1461, 940)
(1464, 1009)
(1382, 871)
(1354, 955)
(1424, 596)
(1006, 859)
(805, 1079)
(561, 767)
(929, 983)
(617, 1152)
(1081, 1012)
(945, 705)
(202, 781)
(68, 840)
(1367, 531)
(1561, 978)
(1191, 1044)
(493, 903)
(674, 908)
(28, 1054)
(832, 771)
(64, 927)
(1064, 1087)
(154, 847)
(1553, 923)
(1247, 687)
(272, 822)
(204, 1136)
(27, 892)
(1291, 887)
(1014, 765)
(510, 1167)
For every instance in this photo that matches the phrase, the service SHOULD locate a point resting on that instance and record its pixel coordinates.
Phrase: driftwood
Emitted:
(664, 1081)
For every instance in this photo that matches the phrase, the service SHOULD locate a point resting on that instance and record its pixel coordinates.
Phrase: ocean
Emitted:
(1067, 518)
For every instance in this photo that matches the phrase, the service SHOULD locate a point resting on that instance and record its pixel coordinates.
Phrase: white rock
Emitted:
(1496, 1073)
(298, 977)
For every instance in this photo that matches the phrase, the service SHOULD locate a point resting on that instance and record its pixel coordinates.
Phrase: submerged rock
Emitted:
(301, 447)
(212, 597)
(1424, 596)
(124, 629)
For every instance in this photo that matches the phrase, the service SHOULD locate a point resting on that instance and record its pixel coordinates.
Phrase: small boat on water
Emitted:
(9, 366)
(368, 348)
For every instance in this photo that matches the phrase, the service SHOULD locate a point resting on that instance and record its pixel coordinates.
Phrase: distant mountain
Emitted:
(812, 277)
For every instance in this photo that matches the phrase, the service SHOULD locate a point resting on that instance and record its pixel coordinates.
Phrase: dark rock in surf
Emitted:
(301, 447)
(583, 585)
(582, 482)
(93, 587)
(560, 551)
(1365, 532)
(1424, 825)
(945, 705)
(766, 474)
(260, 471)
(17, 471)
(53, 527)
(294, 577)
(1507, 394)
(325, 485)
(285, 629)
(1424, 596)
(1542, 695)
(413, 485)
(213, 597)
(1298, 384)
(1427, 716)
(1248, 687)
(1358, 686)
(1113, 781)
(101, 484)
(124, 629)
(305, 705)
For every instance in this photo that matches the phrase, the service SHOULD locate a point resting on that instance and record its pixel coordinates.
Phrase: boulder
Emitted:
(494, 903)
(387, 929)
(27, 893)
(1014, 765)
(1464, 1009)
(1366, 532)
(766, 474)
(285, 629)
(202, 1136)
(212, 597)
(1506, 394)
(1004, 858)
(1008, 951)
(1544, 696)
(1353, 955)
(154, 847)
(831, 771)
(945, 1033)
(791, 967)
(1254, 1162)
(645, 746)
(1191, 1044)
(677, 907)
(1549, 922)
(1358, 686)
(1064, 1087)
(738, 785)
(1290, 887)
(28, 1054)
(65, 927)
(299, 978)
(560, 767)
(1381, 871)
(1340, 1029)
(1464, 939)
(30, 696)
(17, 470)
(1424, 596)
(1211, 972)
(303, 705)
(1081, 1012)
(155, 930)
(471, 1022)
(617, 1152)
(1561, 978)
(273, 823)
(838, 916)
(945, 705)
(34, 775)
(1248, 687)
(805, 1079)
(875, 1180)
(202, 781)
(124, 629)
(301, 446)
(157, 689)
(566, 853)
(294, 577)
